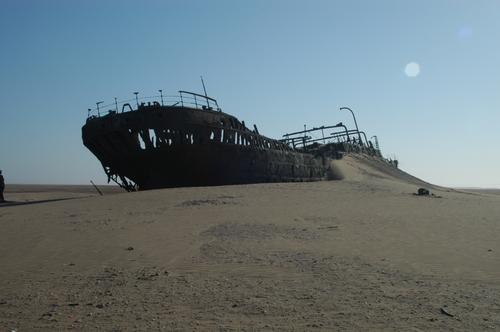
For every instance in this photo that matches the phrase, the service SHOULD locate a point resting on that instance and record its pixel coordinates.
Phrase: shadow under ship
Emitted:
(187, 140)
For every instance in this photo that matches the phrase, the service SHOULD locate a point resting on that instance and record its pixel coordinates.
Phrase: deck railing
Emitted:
(301, 139)
(308, 139)
(183, 99)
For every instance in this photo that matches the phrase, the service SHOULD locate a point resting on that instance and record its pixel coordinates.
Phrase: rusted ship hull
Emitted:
(170, 146)
(217, 165)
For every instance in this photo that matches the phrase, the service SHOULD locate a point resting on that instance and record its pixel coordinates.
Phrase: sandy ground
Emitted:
(22, 194)
(362, 253)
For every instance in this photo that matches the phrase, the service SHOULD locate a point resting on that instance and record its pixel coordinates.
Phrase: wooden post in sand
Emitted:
(100, 192)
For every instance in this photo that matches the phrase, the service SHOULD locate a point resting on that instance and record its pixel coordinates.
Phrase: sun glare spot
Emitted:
(412, 69)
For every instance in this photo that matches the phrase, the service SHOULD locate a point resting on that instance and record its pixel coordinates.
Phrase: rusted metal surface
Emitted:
(186, 140)
(159, 146)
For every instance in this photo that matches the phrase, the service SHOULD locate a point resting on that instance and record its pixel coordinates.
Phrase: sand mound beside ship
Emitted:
(362, 253)
(361, 167)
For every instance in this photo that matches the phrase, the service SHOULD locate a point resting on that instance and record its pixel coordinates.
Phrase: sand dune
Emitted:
(356, 254)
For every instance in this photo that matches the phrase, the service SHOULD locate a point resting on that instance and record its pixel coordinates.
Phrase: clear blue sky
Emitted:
(279, 64)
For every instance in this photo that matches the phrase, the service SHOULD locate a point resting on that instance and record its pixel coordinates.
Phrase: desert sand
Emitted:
(361, 253)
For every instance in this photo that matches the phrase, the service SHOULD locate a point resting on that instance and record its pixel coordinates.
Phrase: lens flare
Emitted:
(412, 69)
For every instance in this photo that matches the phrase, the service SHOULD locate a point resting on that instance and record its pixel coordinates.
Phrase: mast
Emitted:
(205, 90)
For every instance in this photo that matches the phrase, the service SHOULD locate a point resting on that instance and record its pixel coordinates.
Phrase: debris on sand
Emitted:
(423, 192)
(446, 312)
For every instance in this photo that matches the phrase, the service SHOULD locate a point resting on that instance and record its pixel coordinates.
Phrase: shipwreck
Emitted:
(187, 140)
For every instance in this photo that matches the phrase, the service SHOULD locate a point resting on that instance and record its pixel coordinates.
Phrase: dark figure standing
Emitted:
(2, 187)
